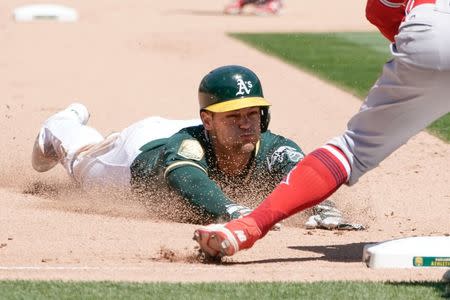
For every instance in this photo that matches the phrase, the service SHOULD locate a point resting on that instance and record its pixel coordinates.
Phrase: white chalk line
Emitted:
(81, 268)
(18, 268)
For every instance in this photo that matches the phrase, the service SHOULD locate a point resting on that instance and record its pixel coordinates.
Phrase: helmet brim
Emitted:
(237, 104)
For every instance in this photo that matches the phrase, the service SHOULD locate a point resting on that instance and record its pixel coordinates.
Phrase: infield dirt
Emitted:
(128, 60)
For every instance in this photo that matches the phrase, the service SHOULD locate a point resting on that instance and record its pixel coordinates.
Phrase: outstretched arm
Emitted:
(194, 185)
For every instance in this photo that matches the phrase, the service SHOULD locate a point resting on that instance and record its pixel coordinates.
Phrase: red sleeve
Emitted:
(386, 15)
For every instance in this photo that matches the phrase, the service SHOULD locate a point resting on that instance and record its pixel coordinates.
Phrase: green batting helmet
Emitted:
(230, 88)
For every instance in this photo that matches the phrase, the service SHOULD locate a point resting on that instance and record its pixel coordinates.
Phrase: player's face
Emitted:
(237, 130)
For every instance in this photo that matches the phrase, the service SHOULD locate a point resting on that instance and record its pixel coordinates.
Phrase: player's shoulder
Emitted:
(190, 132)
(195, 134)
(189, 143)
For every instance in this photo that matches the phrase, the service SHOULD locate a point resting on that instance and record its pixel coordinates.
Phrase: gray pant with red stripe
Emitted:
(412, 92)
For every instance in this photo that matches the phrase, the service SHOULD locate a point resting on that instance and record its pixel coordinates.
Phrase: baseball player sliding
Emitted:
(412, 91)
(206, 162)
(261, 7)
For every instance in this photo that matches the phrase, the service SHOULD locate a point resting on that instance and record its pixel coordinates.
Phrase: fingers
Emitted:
(207, 242)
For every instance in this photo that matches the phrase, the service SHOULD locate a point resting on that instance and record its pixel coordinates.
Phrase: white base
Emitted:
(35, 12)
(412, 252)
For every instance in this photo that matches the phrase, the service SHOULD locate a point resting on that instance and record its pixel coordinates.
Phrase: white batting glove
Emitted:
(238, 211)
(327, 216)
(235, 211)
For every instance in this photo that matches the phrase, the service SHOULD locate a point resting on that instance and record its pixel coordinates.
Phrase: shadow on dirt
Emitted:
(213, 13)
(207, 13)
(337, 253)
(332, 253)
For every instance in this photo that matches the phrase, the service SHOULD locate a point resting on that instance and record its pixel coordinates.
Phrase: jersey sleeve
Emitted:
(186, 172)
(184, 151)
(195, 186)
(386, 15)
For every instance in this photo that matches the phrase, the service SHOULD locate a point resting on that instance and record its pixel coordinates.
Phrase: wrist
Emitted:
(235, 211)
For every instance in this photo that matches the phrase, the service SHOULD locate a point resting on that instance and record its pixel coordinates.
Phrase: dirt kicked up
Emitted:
(126, 61)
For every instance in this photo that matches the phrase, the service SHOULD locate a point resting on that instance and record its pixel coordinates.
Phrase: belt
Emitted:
(413, 3)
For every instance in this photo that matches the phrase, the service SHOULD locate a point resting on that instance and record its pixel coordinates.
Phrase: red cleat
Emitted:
(218, 240)
(269, 8)
(234, 8)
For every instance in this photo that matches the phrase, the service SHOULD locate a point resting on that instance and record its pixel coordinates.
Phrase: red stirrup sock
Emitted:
(315, 178)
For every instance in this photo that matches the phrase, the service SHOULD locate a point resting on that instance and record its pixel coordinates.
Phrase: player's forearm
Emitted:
(197, 188)
(386, 15)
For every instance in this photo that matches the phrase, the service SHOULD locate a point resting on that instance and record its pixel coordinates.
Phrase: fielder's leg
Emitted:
(411, 93)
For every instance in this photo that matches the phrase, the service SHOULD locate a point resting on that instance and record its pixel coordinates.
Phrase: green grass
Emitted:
(351, 60)
(441, 127)
(264, 290)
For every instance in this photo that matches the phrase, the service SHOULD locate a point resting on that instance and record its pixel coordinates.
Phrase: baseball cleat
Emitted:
(234, 8)
(78, 110)
(47, 151)
(217, 240)
(269, 8)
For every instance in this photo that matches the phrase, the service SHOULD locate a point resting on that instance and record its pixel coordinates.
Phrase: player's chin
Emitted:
(248, 147)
